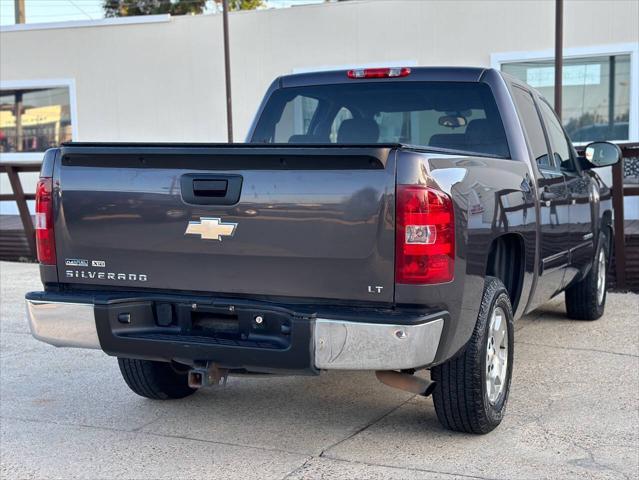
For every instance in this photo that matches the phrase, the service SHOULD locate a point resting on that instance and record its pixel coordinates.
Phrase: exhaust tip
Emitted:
(406, 381)
(429, 389)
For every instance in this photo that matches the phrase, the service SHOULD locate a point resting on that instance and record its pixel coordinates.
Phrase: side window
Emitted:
(559, 144)
(532, 126)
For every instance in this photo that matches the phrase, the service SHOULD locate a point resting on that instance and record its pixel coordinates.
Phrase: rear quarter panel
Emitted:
(491, 197)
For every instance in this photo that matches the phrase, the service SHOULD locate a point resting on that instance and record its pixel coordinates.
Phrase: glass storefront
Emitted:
(32, 120)
(595, 94)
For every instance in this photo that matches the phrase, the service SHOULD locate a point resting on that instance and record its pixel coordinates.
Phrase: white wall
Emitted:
(164, 81)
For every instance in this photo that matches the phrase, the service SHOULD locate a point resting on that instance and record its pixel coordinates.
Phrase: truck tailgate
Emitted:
(308, 222)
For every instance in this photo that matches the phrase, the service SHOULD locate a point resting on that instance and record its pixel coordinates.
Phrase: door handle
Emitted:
(210, 189)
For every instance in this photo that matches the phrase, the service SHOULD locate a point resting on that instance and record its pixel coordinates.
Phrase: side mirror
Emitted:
(601, 154)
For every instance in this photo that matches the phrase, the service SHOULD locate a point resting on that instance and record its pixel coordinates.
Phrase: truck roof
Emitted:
(424, 74)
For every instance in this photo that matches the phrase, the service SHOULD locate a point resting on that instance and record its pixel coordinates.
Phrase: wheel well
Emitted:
(506, 260)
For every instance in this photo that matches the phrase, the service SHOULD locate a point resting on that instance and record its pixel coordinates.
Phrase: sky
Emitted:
(38, 11)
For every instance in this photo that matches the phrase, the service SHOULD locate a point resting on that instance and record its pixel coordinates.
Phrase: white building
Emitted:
(161, 78)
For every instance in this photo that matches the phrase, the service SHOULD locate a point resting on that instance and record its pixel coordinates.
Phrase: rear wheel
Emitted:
(156, 380)
(586, 299)
(472, 389)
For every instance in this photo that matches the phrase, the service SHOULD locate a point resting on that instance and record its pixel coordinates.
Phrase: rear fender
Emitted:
(491, 197)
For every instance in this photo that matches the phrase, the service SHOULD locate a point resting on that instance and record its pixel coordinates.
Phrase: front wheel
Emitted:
(586, 299)
(472, 389)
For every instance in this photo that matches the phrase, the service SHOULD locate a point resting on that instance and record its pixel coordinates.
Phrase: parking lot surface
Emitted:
(573, 413)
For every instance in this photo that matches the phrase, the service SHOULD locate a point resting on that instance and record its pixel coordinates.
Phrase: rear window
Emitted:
(450, 115)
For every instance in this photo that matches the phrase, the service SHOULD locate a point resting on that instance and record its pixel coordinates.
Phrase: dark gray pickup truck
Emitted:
(390, 220)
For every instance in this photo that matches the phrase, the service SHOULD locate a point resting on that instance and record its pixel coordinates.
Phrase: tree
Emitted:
(128, 8)
(241, 4)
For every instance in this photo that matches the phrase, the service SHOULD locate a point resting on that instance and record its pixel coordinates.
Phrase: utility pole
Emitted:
(559, 53)
(20, 18)
(19, 11)
(227, 71)
(18, 115)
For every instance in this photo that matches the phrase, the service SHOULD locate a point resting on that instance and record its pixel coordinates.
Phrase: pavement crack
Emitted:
(144, 425)
(581, 349)
(152, 434)
(589, 462)
(369, 424)
(219, 442)
(66, 424)
(412, 469)
(300, 468)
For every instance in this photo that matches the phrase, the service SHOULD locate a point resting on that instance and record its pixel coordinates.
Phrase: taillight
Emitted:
(425, 241)
(392, 72)
(45, 238)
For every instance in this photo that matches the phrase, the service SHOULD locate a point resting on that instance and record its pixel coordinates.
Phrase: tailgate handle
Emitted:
(211, 189)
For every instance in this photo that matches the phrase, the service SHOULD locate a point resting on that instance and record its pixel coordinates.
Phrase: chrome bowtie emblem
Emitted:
(210, 228)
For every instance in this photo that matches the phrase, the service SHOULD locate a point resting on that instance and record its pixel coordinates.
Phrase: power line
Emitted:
(78, 7)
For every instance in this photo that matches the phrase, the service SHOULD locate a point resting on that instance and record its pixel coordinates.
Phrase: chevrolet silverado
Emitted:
(387, 219)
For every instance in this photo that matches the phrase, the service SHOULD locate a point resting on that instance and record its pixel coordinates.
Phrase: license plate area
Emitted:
(215, 323)
(226, 325)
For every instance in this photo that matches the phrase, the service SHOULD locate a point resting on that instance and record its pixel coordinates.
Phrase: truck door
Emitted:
(580, 189)
(554, 246)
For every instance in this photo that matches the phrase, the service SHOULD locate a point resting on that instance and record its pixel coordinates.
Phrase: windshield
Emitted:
(451, 115)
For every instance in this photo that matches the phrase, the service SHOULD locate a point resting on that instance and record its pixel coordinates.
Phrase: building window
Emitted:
(34, 119)
(595, 96)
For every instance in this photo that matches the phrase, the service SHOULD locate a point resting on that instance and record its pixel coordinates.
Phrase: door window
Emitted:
(561, 149)
(532, 125)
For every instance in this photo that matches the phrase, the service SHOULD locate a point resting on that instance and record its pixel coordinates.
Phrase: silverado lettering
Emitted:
(87, 274)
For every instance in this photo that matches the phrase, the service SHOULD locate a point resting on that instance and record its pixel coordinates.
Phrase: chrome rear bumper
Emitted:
(341, 345)
(63, 324)
(336, 344)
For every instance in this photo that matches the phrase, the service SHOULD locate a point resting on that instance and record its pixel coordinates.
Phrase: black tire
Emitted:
(582, 298)
(461, 396)
(155, 380)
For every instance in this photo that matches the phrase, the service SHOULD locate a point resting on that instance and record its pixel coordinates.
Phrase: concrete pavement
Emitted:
(573, 413)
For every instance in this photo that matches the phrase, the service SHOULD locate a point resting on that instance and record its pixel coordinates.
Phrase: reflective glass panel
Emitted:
(593, 106)
(32, 120)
